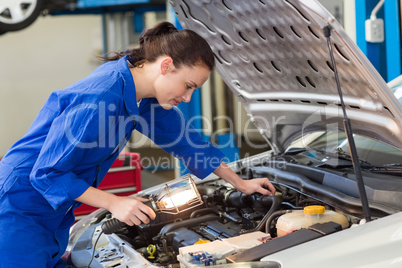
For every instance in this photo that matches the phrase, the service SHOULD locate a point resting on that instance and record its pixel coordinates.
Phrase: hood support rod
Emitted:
(349, 132)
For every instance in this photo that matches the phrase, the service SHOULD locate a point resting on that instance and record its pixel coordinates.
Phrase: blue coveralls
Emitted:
(70, 146)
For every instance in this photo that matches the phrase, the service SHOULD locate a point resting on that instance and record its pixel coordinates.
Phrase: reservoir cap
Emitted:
(314, 210)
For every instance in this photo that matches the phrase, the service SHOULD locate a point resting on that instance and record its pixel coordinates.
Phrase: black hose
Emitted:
(113, 225)
(276, 202)
(204, 211)
(273, 216)
(291, 206)
(187, 223)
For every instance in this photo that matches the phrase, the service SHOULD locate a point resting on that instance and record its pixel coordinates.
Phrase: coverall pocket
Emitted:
(61, 240)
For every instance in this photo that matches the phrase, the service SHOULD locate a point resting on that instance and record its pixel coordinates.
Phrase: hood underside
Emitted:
(274, 56)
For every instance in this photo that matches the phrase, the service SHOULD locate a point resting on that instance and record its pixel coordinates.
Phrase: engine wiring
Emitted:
(93, 251)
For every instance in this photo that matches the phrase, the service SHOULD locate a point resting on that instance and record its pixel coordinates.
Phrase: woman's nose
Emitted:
(187, 96)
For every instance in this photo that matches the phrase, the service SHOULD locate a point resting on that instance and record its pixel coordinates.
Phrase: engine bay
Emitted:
(228, 226)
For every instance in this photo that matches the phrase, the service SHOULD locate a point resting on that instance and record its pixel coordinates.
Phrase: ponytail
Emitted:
(185, 47)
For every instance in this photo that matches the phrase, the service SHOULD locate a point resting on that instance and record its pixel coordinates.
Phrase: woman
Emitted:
(80, 131)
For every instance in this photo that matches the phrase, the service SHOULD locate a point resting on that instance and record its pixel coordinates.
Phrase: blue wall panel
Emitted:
(393, 38)
(385, 56)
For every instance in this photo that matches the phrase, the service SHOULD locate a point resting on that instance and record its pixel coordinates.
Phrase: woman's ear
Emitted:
(166, 65)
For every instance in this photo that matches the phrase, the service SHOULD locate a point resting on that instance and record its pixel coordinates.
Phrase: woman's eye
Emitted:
(188, 87)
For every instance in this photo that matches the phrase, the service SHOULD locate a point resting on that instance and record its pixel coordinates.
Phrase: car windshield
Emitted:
(398, 92)
(396, 87)
(335, 143)
(371, 151)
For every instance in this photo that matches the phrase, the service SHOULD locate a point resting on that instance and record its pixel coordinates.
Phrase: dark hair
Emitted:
(185, 47)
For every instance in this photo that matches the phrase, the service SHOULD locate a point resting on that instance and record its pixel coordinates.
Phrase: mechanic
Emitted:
(81, 130)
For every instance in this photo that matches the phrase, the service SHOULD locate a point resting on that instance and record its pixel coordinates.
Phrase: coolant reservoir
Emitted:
(311, 215)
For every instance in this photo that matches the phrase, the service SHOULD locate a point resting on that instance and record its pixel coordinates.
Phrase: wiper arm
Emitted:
(393, 168)
(387, 168)
(295, 151)
(341, 154)
(332, 162)
(393, 165)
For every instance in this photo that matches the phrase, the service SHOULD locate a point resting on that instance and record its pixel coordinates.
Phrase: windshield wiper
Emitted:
(393, 168)
(341, 154)
(339, 160)
(393, 165)
(332, 158)
(333, 162)
(295, 151)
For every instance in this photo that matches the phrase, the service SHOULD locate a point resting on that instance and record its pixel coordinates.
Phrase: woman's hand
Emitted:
(260, 185)
(131, 210)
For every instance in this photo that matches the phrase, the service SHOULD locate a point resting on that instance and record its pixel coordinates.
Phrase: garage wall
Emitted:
(51, 54)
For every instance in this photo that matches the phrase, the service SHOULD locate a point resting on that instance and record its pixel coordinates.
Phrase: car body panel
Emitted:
(274, 57)
(374, 244)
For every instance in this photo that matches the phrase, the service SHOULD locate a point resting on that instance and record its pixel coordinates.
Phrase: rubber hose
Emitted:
(204, 211)
(113, 225)
(276, 202)
(273, 216)
(291, 206)
(187, 223)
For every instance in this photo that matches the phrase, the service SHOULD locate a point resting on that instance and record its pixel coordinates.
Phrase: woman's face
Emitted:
(176, 85)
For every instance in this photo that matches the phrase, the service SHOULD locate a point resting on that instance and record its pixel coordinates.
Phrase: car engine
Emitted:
(228, 226)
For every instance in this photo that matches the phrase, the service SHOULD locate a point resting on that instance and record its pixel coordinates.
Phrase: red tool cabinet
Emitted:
(123, 178)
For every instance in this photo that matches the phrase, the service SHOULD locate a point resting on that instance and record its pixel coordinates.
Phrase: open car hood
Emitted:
(274, 56)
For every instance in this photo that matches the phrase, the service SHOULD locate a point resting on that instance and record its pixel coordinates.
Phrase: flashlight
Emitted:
(177, 197)
(171, 199)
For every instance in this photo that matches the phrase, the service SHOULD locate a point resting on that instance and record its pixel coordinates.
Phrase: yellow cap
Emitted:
(314, 210)
(201, 241)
